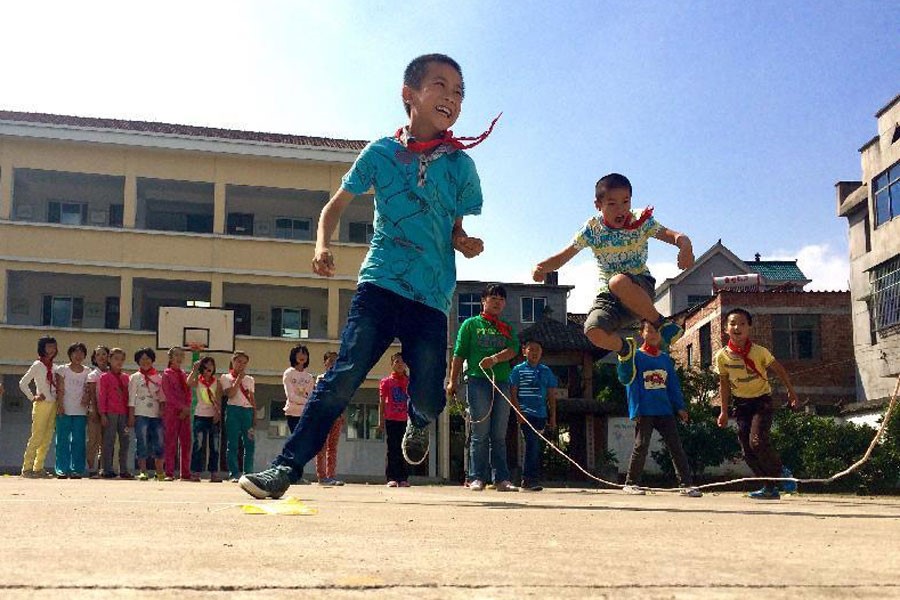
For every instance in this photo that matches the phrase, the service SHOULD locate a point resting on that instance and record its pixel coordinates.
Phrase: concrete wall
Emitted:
(879, 363)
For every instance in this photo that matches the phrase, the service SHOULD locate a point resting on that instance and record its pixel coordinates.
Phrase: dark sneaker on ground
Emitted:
(415, 444)
(691, 492)
(530, 486)
(670, 332)
(271, 483)
(625, 369)
(766, 493)
(788, 487)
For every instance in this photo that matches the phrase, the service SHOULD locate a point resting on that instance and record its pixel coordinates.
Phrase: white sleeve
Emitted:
(25, 382)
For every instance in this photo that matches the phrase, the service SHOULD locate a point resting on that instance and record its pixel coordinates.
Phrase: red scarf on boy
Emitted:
(744, 353)
(630, 223)
(651, 350)
(445, 137)
(147, 375)
(502, 327)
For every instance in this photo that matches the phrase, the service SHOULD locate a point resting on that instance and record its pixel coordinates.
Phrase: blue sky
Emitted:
(734, 119)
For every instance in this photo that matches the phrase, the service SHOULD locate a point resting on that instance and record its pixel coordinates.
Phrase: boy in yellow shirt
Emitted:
(743, 377)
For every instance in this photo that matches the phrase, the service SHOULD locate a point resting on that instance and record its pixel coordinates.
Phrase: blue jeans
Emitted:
(488, 435)
(531, 471)
(148, 431)
(206, 435)
(71, 435)
(376, 318)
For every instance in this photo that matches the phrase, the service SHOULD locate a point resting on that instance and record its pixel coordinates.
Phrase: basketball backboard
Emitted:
(209, 328)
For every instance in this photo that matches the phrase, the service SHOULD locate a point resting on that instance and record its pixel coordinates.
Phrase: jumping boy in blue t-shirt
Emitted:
(424, 184)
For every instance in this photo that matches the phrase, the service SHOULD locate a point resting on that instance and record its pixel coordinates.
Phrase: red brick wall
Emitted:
(835, 367)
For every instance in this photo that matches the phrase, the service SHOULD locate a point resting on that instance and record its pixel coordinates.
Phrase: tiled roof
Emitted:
(181, 130)
(777, 270)
(556, 336)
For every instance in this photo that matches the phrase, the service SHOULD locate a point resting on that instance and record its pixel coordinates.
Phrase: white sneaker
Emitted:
(477, 485)
(691, 492)
(634, 490)
(506, 486)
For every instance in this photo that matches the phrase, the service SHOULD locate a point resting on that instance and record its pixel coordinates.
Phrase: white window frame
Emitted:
(884, 280)
(370, 421)
(532, 300)
(302, 334)
(294, 229)
(472, 302)
(81, 207)
(370, 231)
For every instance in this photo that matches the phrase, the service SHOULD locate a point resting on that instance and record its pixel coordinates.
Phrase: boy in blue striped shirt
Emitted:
(531, 391)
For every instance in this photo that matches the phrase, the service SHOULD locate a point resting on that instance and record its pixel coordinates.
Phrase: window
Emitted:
(885, 282)
(469, 306)
(111, 314)
(887, 194)
(694, 300)
(795, 337)
(705, 346)
(67, 213)
(290, 323)
(292, 229)
(690, 355)
(362, 422)
(239, 224)
(242, 315)
(361, 232)
(62, 311)
(197, 303)
(873, 329)
(532, 309)
(116, 215)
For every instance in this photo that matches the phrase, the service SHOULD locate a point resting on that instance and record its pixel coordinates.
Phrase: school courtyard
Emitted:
(112, 539)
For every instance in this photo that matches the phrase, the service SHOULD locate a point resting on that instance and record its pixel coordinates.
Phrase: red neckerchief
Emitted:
(208, 385)
(630, 224)
(502, 327)
(744, 353)
(651, 350)
(244, 390)
(147, 375)
(50, 380)
(446, 137)
(183, 377)
(123, 387)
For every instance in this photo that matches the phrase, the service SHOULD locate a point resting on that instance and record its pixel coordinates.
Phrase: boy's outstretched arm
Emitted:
(470, 247)
(553, 263)
(323, 259)
(786, 380)
(682, 242)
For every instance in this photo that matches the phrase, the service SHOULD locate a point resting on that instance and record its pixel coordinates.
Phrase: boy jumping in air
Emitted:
(618, 237)
(424, 186)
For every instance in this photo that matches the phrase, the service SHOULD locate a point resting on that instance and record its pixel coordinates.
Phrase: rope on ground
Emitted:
(884, 423)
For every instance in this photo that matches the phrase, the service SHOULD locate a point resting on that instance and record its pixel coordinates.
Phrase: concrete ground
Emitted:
(117, 539)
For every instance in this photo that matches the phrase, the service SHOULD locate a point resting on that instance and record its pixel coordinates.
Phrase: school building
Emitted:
(103, 221)
(872, 209)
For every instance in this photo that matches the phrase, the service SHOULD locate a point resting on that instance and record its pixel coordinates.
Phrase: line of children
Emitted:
(145, 403)
(112, 402)
(71, 420)
(177, 416)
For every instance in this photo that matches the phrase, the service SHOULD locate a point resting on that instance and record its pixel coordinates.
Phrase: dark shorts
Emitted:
(609, 314)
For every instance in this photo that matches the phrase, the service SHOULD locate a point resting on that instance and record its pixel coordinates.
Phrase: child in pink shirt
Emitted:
(112, 404)
(177, 415)
(393, 405)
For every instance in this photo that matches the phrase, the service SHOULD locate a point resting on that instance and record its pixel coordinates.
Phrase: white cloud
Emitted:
(829, 269)
(583, 275)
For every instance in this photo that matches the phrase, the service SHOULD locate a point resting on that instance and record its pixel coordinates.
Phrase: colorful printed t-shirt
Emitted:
(411, 253)
(532, 383)
(144, 396)
(393, 390)
(617, 250)
(744, 382)
(652, 385)
(478, 339)
(239, 398)
(298, 385)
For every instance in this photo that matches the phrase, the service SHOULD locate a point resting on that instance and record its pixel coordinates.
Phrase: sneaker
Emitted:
(61, 475)
(634, 490)
(690, 492)
(169, 478)
(195, 478)
(234, 480)
(336, 482)
(477, 485)
(670, 332)
(271, 483)
(788, 487)
(93, 475)
(215, 478)
(142, 476)
(404, 484)
(42, 474)
(393, 483)
(415, 444)
(126, 475)
(74, 475)
(160, 476)
(28, 474)
(506, 486)
(766, 493)
(108, 475)
(530, 486)
(625, 370)
(326, 481)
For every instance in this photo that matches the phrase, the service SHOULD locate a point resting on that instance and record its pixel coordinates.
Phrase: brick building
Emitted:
(810, 333)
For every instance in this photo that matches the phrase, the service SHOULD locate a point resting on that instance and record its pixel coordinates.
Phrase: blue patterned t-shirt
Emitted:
(617, 250)
(412, 252)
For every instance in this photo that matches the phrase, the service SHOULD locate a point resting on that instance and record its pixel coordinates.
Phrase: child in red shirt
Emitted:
(393, 405)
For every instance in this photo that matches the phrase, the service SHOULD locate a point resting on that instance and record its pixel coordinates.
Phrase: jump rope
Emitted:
(826, 480)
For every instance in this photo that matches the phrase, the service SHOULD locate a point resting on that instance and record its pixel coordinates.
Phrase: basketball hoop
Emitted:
(196, 346)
